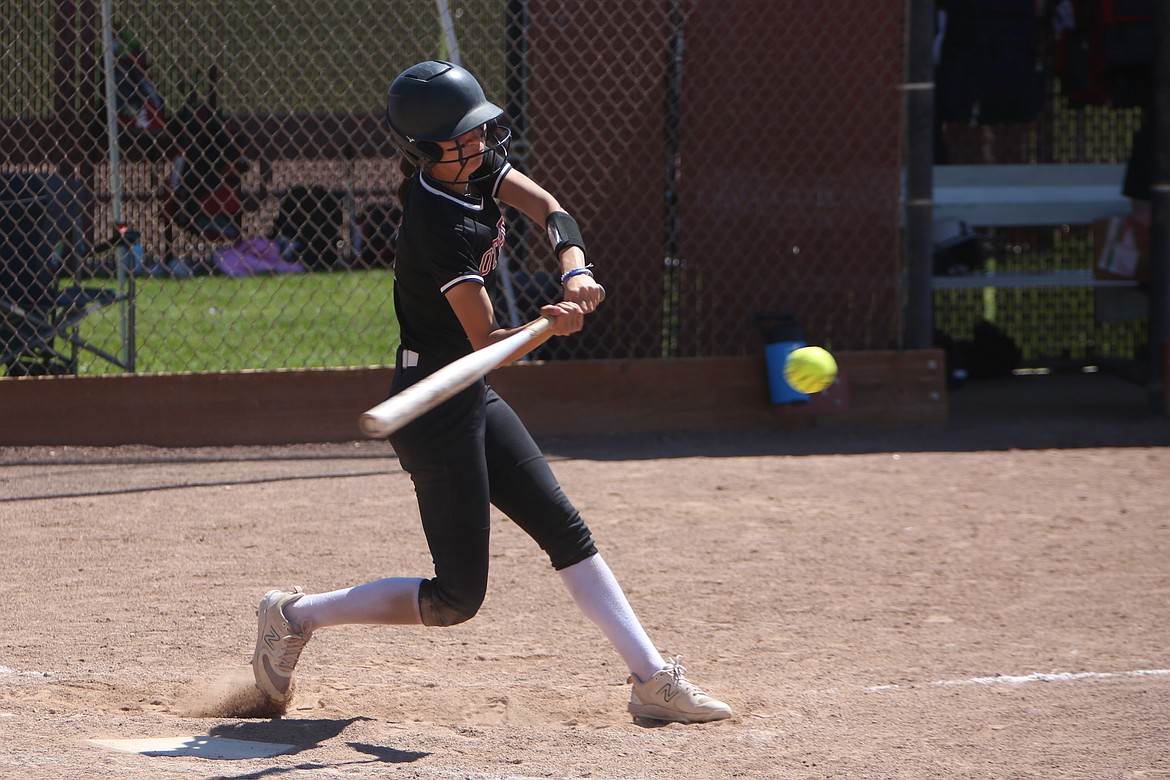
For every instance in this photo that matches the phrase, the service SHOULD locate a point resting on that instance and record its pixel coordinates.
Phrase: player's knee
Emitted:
(443, 614)
(441, 606)
(573, 545)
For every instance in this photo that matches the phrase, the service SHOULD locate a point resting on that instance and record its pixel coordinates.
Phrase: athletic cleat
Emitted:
(278, 646)
(670, 696)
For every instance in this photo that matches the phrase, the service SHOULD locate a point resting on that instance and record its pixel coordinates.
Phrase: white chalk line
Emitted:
(6, 672)
(1008, 679)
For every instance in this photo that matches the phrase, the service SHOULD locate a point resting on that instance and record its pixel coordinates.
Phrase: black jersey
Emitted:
(445, 240)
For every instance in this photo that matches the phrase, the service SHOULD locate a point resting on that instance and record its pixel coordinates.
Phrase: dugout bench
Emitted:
(1029, 196)
(1006, 196)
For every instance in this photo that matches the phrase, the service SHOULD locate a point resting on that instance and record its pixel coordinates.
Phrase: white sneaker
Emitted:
(669, 695)
(278, 646)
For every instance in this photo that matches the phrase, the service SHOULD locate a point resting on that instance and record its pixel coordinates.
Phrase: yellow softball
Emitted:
(810, 369)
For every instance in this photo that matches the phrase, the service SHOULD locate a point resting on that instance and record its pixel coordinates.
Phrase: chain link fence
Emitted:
(245, 218)
(731, 165)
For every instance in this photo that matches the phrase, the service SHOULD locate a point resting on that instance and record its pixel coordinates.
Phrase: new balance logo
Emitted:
(271, 637)
(668, 692)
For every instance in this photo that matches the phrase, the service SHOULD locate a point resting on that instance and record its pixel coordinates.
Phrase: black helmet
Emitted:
(436, 101)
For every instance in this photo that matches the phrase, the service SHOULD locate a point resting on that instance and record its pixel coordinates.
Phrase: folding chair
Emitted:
(41, 309)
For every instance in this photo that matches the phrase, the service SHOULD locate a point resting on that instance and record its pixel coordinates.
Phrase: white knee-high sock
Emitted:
(596, 591)
(393, 600)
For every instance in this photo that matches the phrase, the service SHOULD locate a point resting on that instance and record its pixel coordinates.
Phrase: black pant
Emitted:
(470, 451)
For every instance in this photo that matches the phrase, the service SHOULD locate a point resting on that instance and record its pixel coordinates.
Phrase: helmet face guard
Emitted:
(437, 101)
(495, 139)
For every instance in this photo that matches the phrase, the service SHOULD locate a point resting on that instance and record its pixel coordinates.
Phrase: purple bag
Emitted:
(253, 256)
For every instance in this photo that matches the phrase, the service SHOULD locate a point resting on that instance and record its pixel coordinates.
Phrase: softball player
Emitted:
(472, 451)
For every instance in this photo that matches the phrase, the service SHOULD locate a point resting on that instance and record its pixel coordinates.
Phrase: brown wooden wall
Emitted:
(614, 396)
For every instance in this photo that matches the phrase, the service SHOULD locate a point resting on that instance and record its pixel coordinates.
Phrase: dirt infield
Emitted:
(984, 602)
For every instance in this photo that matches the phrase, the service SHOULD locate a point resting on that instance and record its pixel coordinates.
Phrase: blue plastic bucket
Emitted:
(782, 334)
(776, 355)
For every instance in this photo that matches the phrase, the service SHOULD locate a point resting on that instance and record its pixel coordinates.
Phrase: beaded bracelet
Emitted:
(567, 275)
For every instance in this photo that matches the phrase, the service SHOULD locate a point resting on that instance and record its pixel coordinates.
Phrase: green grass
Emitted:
(216, 323)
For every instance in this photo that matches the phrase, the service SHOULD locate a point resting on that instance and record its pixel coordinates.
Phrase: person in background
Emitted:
(1139, 172)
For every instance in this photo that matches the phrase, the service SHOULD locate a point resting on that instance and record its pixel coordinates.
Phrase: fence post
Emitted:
(125, 283)
(1159, 322)
(919, 192)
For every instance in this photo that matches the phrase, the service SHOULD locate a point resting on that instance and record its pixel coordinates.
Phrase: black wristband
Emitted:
(563, 232)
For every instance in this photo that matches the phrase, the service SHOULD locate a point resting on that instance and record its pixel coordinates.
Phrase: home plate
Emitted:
(197, 746)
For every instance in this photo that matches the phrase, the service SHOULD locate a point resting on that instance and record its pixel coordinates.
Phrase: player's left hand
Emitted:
(584, 291)
(568, 317)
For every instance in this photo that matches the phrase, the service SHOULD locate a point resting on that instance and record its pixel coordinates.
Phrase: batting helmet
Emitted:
(436, 101)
